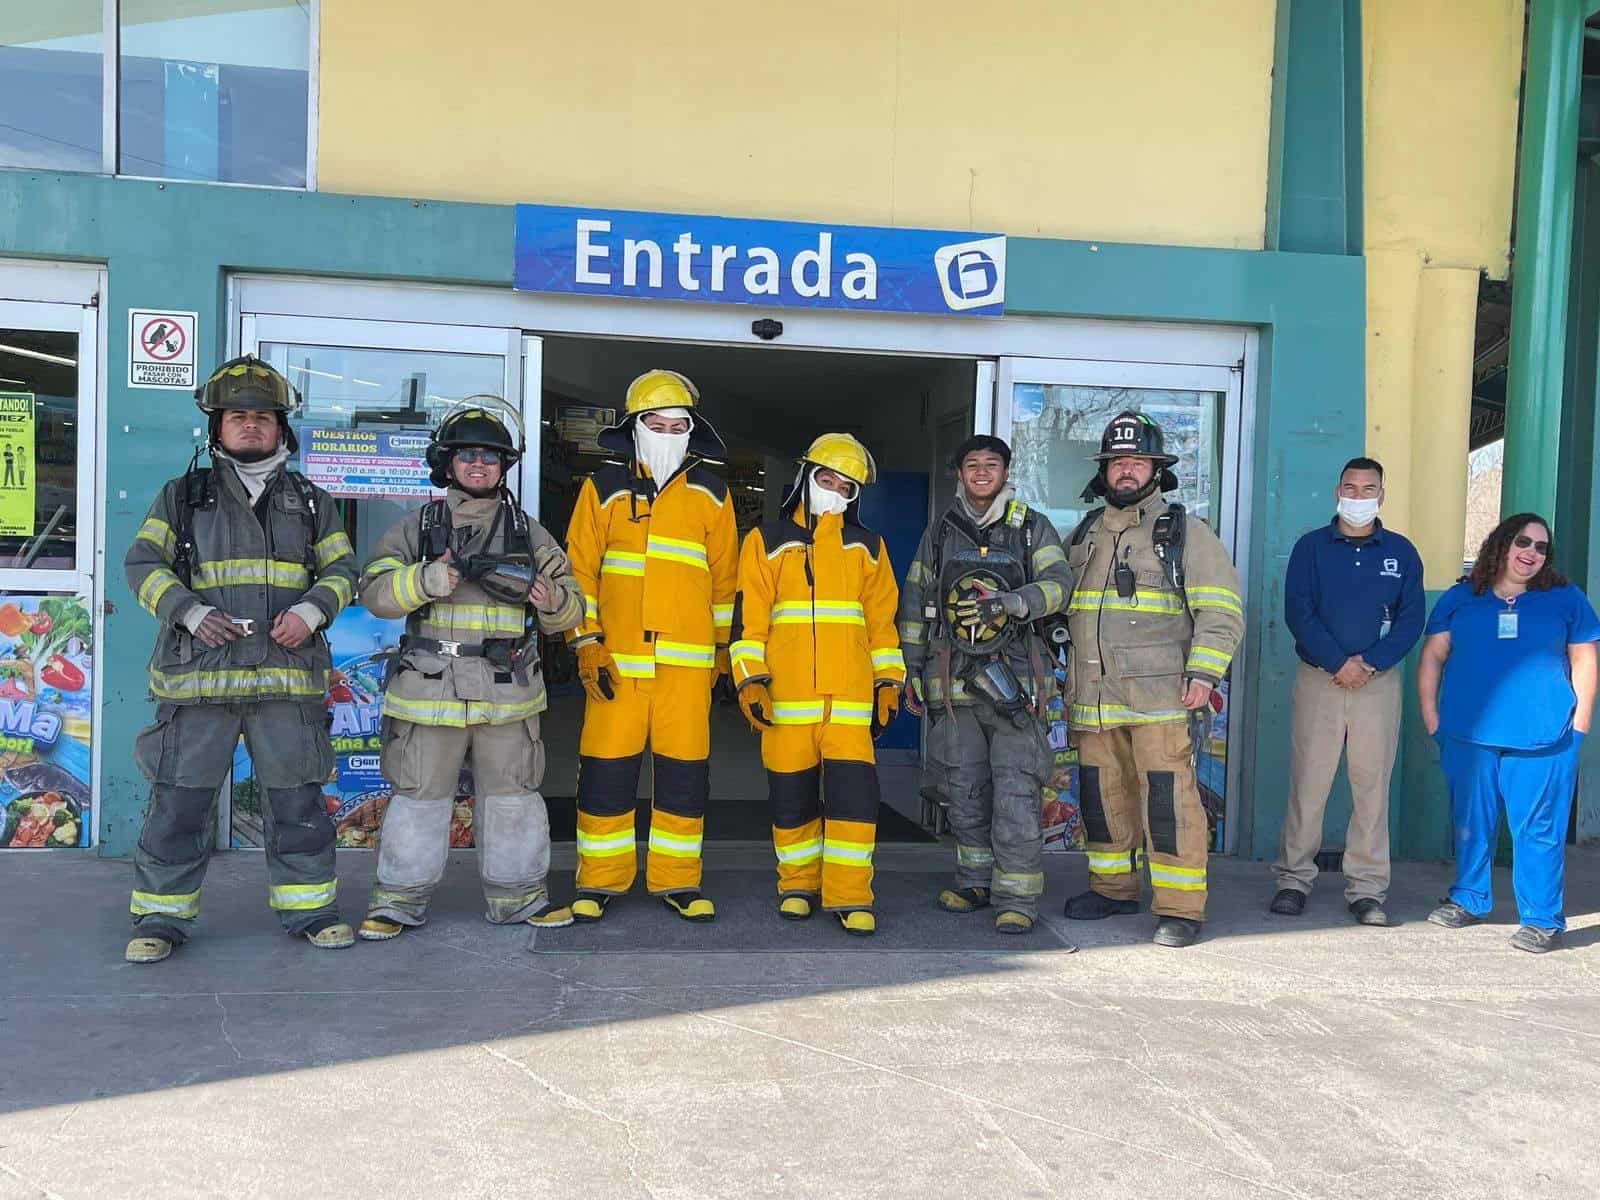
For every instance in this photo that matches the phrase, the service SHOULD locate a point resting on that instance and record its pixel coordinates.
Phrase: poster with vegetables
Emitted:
(46, 705)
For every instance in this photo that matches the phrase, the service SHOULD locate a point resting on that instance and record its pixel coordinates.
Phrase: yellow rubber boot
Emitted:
(590, 907)
(859, 922)
(147, 950)
(964, 900)
(794, 908)
(691, 906)
(378, 929)
(333, 937)
(1013, 922)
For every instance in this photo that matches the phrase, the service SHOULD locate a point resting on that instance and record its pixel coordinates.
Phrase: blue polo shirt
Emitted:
(1512, 692)
(1344, 597)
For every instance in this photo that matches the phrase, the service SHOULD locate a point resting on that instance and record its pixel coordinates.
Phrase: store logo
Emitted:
(24, 727)
(972, 274)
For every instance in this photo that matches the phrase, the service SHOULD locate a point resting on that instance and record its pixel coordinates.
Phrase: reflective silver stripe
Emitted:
(799, 852)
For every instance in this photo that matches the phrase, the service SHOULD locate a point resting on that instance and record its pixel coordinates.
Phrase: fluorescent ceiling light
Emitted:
(322, 374)
(364, 382)
(40, 355)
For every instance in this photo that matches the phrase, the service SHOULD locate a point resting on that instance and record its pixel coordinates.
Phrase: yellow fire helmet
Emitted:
(842, 453)
(660, 388)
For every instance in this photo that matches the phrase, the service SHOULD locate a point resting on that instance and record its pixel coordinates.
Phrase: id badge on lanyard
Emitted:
(1508, 625)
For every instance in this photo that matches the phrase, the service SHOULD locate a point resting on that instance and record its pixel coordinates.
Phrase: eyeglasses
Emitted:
(477, 454)
(1522, 541)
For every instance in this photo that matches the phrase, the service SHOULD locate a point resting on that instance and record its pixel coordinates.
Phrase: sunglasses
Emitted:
(1522, 541)
(475, 454)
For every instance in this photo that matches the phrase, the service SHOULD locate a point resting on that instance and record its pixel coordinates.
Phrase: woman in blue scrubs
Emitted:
(1507, 684)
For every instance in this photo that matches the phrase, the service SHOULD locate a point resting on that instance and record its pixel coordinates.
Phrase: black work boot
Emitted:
(1368, 911)
(1176, 931)
(1092, 906)
(1451, 915)
(1288, 903)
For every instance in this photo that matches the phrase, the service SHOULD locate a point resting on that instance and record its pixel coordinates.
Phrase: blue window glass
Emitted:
(215, 90)
(52, 59)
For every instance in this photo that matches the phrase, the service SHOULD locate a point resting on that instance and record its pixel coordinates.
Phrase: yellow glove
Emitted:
(888, 703)
(596, 668)
(756, 703)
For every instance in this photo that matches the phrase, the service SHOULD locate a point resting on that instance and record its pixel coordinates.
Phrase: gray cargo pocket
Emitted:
(317, 722)
(153, 751)
(1152, 676)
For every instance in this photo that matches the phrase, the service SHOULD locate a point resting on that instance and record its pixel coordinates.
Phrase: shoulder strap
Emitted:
(1167, 538)
(1086, 526)
(521, 539)
(196, 492)
(433, 530)
(308, 516)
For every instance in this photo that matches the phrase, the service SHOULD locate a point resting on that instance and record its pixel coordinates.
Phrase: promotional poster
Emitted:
(46, 691)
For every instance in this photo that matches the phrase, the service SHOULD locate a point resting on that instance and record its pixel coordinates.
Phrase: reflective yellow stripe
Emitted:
(622, 562)
(591, 607)
(1101, 863)
(1114, 715)
(685, 654)
(156, 585)
(801, 612)
(1091, 600)
(332, 548)
(250, 572)
(458, 714)
(1046, 557)
(917, 575)
(849, 854)
(888, 658)
(799, 852)
(158, 533)
(674, 845)
(1183, 879)
(478, 618)
(1018, 884)
(1203, 657)
(171, 904)
(973, 856)
(913, 633)
(260, 681)
(407, 584)
(850, 712)
(722, 614)
(679, 550)
(634, 666)
(797, 712)
(292, 897)
(747, 649)
(1215, 597)
(343, 590)
(380, 566)
(1053, 594)
(606, 845)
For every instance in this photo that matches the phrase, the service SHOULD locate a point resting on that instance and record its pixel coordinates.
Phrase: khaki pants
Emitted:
(1141, 808)
(1327, 720)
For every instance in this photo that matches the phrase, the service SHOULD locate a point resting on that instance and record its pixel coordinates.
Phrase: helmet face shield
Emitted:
(246, 383)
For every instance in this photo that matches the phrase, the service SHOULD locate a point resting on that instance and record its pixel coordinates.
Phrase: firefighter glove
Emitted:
(886, 704)
(756, 703)
(913, 697)
(596, 669)
(990, 608)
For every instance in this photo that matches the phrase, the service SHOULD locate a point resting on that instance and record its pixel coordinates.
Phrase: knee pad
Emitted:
(1095, 827)
(608, 787)
(414, 842)
(300, 823)
(514, 839)
(852, 789)
(682, 786)
(1163, 813)
(795, 796)
(177, 827)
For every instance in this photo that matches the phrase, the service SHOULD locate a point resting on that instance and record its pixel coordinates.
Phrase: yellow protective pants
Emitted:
(672, 714)
(1137, 792)
(824, 789)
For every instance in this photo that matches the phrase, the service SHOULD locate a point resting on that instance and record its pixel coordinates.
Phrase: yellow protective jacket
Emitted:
(1131, 654)
(826, 631)
(659, 572)
(441, 690)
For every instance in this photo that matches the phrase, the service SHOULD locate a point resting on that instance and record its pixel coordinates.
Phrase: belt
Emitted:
(492, 648)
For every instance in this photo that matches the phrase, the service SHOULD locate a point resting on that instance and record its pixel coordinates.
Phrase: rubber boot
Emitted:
(1092, 906)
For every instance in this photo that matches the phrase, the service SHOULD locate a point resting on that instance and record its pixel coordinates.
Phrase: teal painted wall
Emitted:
(172, 246)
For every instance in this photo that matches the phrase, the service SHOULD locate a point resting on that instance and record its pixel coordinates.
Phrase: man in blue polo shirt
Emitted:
(1353, 600)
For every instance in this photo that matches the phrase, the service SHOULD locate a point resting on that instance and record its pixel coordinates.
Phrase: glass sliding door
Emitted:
(1053, 412)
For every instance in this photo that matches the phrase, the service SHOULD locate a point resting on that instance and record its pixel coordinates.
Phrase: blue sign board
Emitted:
(776, 264)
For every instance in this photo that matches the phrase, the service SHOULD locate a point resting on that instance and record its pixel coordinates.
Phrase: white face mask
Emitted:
(825, 500)
(661, 453)
(1359, 513)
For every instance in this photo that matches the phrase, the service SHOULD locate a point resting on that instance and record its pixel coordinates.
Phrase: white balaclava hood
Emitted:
(824, 500)
(661, 453)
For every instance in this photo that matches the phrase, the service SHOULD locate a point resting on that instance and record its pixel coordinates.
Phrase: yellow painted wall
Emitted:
(1441, 80)
(1140, 120)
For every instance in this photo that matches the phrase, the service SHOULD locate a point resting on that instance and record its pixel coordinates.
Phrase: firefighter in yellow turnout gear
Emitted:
(1155, 617)
(654, 547)
(818, 666)
(475, 579)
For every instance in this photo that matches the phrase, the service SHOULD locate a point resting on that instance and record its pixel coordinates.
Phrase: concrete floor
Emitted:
(647, 1058)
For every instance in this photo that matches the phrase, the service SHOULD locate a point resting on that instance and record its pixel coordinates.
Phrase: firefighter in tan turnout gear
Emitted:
(243, 563)
(1155, 617)
(475, 580)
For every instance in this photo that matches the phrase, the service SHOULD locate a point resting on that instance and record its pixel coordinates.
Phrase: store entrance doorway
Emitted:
(767, 403)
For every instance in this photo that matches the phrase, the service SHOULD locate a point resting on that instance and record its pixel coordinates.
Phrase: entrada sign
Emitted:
(732, 260)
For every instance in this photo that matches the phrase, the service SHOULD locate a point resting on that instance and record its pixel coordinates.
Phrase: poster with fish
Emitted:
(46, 707)
(356, 794)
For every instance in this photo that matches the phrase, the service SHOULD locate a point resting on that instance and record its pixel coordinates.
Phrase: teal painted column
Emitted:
(1543, 256)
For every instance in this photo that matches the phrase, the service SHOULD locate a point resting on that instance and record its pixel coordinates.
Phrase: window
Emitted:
(52, 68)
(211, 90)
